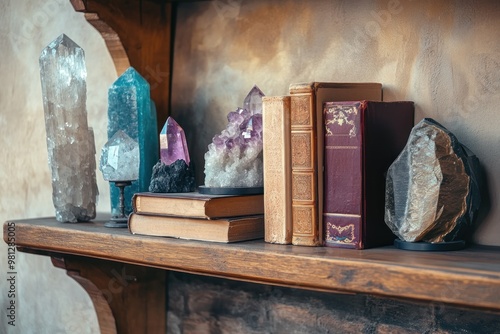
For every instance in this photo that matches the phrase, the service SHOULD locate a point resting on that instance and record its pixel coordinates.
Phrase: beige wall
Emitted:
(443, 55)
(47, 300)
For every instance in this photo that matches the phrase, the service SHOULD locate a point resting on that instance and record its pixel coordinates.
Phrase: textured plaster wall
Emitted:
(444, 55)
(47, 301)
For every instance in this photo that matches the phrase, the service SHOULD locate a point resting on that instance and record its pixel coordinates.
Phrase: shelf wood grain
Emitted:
(469, 277)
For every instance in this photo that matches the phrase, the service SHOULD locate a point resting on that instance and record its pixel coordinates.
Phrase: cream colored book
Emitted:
(217, 230)
(277, 169)
(196, 205)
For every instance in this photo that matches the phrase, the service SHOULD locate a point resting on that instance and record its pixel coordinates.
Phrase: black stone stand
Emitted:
(429, 246)
(177, 177)
(230, 190)
(121, 220)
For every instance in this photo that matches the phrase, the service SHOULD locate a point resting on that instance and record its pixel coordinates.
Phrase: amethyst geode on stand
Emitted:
(233, 162)
(432, 191)
(173, 173)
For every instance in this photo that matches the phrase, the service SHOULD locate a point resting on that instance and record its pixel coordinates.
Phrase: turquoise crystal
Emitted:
(131, 110)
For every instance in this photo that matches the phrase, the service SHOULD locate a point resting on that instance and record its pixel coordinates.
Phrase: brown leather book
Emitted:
(277, 169)
(307, 150)
(196, 205)
(362, 139)
(218, 230)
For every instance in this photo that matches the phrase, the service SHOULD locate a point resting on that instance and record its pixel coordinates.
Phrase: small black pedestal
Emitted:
(121, 219)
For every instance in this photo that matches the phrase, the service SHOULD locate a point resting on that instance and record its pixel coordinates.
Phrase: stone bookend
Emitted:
(432, 191)
(70, 142)
(131, 110)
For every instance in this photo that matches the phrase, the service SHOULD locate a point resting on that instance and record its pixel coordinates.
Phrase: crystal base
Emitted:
(231, 190)
(117, 222)
(429, 246)
(122, 219)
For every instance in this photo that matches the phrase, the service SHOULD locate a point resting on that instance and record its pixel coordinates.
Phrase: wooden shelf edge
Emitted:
(383, 272)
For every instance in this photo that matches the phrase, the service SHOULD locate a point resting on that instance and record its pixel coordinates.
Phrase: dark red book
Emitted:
(362, 139)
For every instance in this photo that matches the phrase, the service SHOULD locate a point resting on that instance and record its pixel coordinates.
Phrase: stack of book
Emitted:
(195, 216)
(327, 147)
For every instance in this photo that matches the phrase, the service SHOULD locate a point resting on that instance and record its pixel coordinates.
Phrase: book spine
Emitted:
(343, 178)
(277, 170)
(303, 142)
(134, 203)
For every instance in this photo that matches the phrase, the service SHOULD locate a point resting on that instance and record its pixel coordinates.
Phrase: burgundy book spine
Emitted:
(362, 139)
(343, 184)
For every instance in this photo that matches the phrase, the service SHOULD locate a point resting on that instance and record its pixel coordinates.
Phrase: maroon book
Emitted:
(362, 139)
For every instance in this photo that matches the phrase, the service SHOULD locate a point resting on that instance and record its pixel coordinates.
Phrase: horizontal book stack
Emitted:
(195, 216)
(311, 173)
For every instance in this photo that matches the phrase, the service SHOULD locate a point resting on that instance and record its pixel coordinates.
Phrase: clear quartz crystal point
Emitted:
(70, 142)
(173, 144)
(131, 110)
(120, 158)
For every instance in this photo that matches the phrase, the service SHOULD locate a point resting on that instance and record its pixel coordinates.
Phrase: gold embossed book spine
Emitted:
(305, 218)
(307, 148)
(277, 169)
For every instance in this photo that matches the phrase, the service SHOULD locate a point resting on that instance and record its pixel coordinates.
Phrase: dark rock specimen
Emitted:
(432, 191)
(177, 177)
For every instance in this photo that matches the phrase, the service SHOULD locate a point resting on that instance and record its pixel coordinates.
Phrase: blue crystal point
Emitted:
(131, 110)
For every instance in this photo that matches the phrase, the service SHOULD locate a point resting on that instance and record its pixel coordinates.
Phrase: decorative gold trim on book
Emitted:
(341, 115)
(342, 147)
(344, 235)
(302, 184)
(301, 148)
(353, 215)
(303, 219)
(300, 105)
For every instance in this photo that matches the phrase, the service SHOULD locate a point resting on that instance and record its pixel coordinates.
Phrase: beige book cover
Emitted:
(277, 169)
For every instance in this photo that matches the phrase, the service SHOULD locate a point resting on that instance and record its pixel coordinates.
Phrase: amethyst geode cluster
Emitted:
(234, 158)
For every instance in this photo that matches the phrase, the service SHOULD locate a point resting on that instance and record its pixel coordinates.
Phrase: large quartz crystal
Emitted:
(120, 158)
(131, 110)
(234, 158)
(70, 142)
(432, 191)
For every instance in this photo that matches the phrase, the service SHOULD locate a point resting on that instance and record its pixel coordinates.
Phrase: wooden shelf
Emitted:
(469, 277)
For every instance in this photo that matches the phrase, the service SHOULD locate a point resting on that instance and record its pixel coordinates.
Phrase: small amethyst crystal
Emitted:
(234, 158)
(173, 145)
(173, 173)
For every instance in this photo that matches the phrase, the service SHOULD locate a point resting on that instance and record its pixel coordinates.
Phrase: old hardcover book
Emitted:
(362, 139)
(231, 229)
(196, 205)
(277, 169)
(307, 150)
